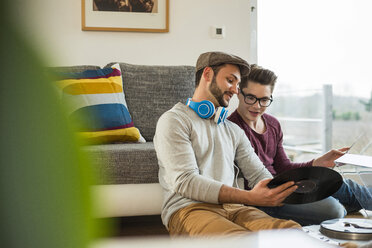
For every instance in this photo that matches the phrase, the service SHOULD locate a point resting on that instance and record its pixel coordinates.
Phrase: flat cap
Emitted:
(218, 58)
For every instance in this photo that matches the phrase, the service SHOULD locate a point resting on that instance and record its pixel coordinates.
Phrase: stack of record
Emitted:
(347, 228)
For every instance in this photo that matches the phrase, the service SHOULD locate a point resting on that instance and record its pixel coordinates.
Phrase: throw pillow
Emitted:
(96, 104)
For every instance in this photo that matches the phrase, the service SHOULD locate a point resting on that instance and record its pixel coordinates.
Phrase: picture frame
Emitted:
(125, 15)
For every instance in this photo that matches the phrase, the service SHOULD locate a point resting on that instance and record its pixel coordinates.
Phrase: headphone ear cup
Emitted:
(221, 115)
(205, 109)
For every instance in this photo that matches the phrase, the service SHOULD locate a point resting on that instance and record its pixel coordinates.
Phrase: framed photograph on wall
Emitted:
(125, 15)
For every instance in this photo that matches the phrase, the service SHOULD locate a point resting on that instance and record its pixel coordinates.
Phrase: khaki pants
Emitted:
(204, 219)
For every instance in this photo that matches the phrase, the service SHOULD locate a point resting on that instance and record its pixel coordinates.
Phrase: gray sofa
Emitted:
(127, 173)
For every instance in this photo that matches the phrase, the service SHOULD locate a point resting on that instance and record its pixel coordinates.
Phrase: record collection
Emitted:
(317, 183)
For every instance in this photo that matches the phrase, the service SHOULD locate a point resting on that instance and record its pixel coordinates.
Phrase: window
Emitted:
(309, 44)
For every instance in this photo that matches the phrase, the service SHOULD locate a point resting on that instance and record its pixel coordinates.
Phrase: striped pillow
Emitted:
(96, 104)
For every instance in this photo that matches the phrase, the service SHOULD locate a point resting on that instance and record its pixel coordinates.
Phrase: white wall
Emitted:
(55, 25)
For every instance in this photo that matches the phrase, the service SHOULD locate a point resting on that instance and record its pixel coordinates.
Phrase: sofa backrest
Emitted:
(69, 69)
(151, 90)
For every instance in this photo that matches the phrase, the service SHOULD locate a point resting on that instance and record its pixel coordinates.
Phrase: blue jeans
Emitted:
(354, 196)
(349, 198)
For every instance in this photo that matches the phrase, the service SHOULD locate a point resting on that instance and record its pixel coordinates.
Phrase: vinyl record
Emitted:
(314, 183)
(347, 228)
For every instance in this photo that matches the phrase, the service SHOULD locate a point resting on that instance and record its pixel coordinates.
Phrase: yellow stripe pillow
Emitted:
(95, 102)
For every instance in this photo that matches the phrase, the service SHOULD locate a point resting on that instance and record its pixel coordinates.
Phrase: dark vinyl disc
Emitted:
(314, 183)
(347, 228)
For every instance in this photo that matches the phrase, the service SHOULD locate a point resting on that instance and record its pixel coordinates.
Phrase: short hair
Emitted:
(259, 75)
(198, 74)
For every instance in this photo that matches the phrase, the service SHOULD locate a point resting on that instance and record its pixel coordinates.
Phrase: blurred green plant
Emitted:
(346, 116)
(44, 191)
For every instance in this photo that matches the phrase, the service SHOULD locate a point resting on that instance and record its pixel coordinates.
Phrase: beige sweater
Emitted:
(196, 157)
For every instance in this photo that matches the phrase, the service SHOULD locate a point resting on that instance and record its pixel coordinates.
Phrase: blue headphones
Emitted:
(205, 109)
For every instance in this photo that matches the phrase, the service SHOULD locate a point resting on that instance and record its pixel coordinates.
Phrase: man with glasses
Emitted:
(266, 137)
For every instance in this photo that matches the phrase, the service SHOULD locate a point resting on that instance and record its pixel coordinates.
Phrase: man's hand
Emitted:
(261, 195)
(328, 159)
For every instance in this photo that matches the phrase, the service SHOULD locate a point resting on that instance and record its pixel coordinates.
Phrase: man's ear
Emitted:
(208, 74)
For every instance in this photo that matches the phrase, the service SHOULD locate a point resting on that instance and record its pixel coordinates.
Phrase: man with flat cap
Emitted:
(197, 149)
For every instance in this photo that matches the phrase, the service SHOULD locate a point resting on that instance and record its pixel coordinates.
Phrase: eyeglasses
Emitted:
(252, 99)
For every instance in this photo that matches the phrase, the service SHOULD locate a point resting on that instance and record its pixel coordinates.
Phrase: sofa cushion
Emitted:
(152, 90)
(131, 163)
(96, 104)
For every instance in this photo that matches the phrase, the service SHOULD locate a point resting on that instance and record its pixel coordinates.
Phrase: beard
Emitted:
(217, 93)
